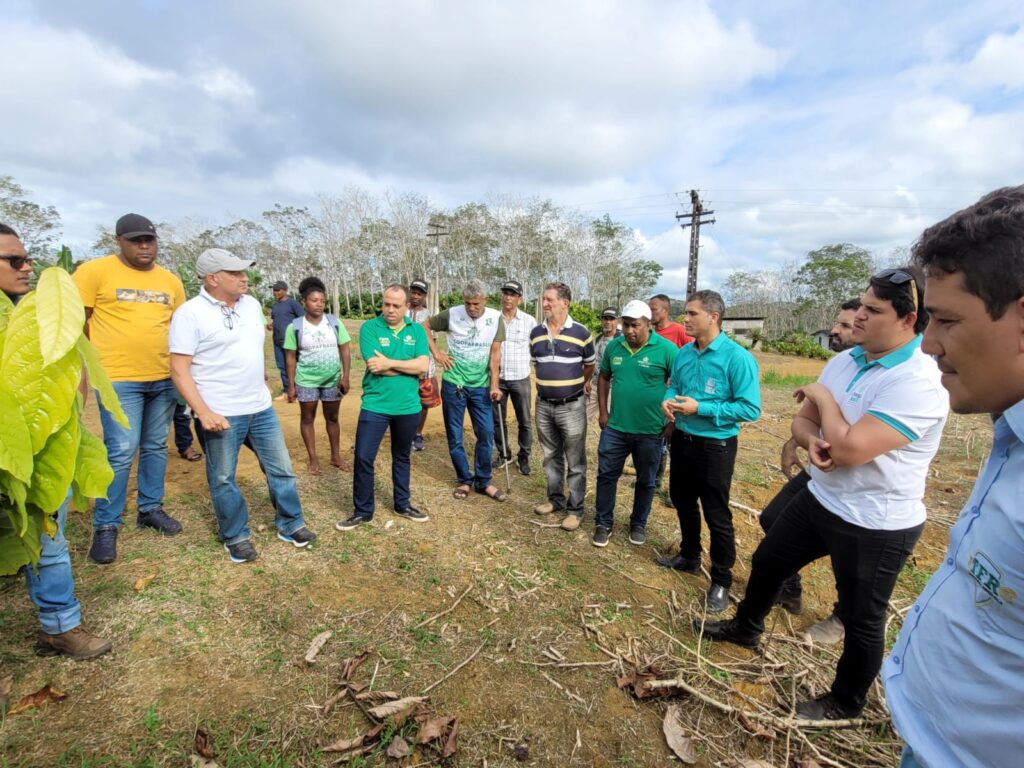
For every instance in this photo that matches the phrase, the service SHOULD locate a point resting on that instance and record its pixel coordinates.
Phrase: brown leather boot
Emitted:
(78, 643)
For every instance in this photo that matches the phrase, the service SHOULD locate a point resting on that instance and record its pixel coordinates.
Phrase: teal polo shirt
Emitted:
(639, 376)
(392, 395)
(723, 379)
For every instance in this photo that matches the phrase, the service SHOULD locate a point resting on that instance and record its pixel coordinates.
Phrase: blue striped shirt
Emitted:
(560, 359)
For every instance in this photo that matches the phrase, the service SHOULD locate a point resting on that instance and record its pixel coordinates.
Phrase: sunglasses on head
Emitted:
(18, 262)
(900, 277)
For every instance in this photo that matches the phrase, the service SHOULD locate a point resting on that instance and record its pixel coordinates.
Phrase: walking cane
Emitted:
(504, 447)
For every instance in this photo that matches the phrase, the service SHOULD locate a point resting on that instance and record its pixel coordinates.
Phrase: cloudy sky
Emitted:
(801, 123)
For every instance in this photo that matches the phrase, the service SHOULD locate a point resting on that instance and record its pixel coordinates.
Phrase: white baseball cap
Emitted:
(637, 309)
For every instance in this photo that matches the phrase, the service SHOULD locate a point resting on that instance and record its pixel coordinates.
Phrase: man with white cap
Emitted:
(217, 363)
(640, 363)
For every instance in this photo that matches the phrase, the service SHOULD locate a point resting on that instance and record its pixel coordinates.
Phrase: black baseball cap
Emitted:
(418, 285)
(134, 225)
(512, 286)
(609, 313)
(280, 285)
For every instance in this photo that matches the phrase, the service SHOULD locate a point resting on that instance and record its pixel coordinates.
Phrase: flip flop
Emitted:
(498, 494)
(461, 492)
(190, 454)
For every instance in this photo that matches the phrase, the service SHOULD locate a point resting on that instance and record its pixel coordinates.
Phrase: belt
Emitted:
(562, 400)
(705, 440)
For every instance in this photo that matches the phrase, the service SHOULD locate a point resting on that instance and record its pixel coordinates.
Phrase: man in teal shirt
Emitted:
(714, 386)
(639, 362)
(395, 350)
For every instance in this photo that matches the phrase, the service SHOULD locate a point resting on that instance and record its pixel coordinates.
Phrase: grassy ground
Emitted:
(207, 644)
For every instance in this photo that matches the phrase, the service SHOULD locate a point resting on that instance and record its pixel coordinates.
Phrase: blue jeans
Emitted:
(370, 431)
(50, 584)
(454, 401)
(264, 434)
(149, 406)
(279, 359)
(612, 450)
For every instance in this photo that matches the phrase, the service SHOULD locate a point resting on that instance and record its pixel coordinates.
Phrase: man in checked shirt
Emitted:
(514, 377)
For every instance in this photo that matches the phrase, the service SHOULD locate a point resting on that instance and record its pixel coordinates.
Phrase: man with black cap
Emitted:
(429, 389)
(129, 300)
(284, 311)
(217, 363)
(514, 375)
(609, 330)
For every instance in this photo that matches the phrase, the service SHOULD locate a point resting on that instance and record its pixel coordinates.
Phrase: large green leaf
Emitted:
(93, 474)
(12, 500)
(6, 307)
(46, 394)
(20, 548)
(55, 468)
(15, 441)
(59, 313)
(99, 380)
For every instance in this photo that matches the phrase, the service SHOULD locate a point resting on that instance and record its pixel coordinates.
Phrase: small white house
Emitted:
(822, 338)
(744, 329)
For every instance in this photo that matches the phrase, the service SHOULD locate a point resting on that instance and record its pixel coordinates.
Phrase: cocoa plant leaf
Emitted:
(678, 741)
(140, 584)
(449, 745)
(377, 696)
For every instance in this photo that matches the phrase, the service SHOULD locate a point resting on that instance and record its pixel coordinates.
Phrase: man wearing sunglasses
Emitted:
(50, 583)
(129, 300)
(871, 425)
(954, 681)
(217, 363)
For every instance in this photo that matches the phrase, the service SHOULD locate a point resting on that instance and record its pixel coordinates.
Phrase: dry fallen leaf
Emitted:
(754, 764)
(393, 708)
(677, 740)
(40, 697)
(398, 748)
(344, 745)
(377, 696)
(317, 645)
(350, 665)
(142, 582)
(5, 692)
(195, 761)
(203, 743)
(807, 762)
(449, 745)
(433, 728)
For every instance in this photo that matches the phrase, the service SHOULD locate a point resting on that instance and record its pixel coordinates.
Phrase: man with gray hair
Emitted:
(471, 369)
(217, 364)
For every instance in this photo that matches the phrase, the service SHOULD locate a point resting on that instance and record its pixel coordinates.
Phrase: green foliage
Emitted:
(582, 313)
(37, 225)
(799, 344)
(44, 449)
(834, 273)
(772, 378)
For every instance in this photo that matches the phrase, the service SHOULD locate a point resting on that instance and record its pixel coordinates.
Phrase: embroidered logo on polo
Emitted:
(616, 360)
(409, 341)
(854, 397)
(384, 341)
(988, 577)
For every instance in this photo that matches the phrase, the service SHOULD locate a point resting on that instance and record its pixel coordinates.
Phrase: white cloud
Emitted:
(1000, 61)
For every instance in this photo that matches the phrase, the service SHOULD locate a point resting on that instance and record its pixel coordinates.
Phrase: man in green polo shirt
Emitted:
(396, 353)
(640, 362)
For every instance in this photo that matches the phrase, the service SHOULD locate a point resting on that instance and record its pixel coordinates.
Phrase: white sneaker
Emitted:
(827, 632)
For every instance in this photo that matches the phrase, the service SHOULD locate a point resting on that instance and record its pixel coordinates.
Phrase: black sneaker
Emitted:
(679, 563)
(524, 465)
(824, 708)
(601, 535)
(300, 538)
(413, 514)
(727, 631)
(501, 463)
(637, 534)
(104, 546)
(242, 552)
(417, 443)
(353, 522)
(160, 521)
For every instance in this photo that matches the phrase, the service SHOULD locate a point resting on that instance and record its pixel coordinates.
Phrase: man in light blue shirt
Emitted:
(714, 386)
(954, 681)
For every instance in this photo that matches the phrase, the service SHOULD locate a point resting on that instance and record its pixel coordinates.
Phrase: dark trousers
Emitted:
(182, 428)
(701, 470)
(866, 563)
(279, 358)
(521, 395)
(612, 450)
(370, 431)
(788, 492)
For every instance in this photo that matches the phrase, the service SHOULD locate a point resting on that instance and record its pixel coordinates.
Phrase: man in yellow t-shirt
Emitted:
(129, 300)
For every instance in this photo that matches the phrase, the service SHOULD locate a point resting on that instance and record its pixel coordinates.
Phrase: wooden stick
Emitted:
(446, 611)
(471, 656)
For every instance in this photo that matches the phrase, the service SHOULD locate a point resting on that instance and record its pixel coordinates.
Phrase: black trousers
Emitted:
(866, 563)
(701, 471)
(786, 494)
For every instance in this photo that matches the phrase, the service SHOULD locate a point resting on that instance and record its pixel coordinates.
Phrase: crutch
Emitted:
(504, 448)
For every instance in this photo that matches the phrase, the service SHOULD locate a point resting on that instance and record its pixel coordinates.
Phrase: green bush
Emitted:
(800, 344)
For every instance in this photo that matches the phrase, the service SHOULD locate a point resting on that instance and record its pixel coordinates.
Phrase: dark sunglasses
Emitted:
(142, 239)
(900, 277)
(18, 262)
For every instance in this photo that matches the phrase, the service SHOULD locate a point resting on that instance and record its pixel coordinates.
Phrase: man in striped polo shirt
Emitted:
(563, 351)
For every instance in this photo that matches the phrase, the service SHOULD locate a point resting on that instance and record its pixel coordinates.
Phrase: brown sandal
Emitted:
(461, 492)
(190, 454)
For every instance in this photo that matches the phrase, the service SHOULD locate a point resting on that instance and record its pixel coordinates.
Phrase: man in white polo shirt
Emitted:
(217, 364)
(871, 426)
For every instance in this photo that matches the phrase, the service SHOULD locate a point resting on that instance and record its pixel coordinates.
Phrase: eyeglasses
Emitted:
(229, 317)
(18, 262)
(900, 277)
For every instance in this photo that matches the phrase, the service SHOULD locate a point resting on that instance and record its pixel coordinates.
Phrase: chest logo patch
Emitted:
(710, 387)
(384, 341)
(988, 580)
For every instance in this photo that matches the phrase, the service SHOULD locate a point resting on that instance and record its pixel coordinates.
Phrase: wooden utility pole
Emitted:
(696, 218)
(437, 231)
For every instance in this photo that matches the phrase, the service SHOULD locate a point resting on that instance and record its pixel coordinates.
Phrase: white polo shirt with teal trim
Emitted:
(904, 390)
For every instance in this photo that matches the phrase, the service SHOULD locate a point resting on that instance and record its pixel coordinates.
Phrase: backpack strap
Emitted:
(297, 327)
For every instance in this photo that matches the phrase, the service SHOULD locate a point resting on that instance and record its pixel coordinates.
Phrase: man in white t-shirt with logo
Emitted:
(475, 333)
(871, 426)
(217, 364)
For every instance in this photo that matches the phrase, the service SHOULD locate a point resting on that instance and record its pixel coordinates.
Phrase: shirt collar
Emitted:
(1014, 419)
(406, 321)
(891, 360)
(217, 302)
(719, 340)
